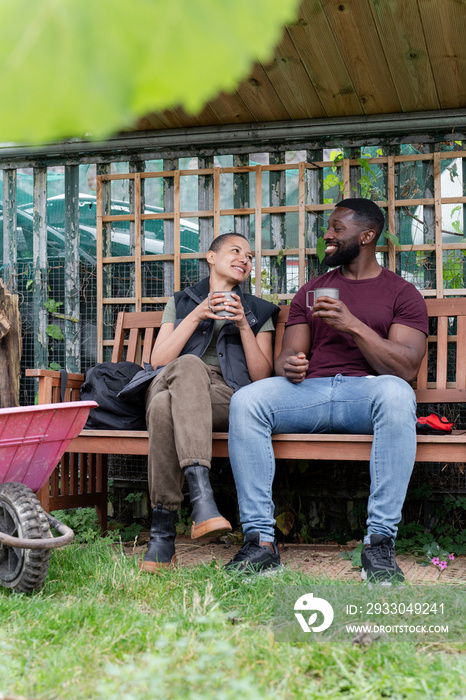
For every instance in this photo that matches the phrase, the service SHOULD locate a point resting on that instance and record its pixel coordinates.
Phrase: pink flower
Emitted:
(435, 561)
(443, 565)
(451, 557)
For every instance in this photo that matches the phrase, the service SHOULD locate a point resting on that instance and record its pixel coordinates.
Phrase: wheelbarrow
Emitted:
(33, 440)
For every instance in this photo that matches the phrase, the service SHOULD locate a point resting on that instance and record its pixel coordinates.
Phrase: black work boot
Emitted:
(161, 548)
(207, 521)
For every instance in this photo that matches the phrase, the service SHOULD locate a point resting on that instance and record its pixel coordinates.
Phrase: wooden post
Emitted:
(314, 195)
(72, 317)
(40, 267)
(10, 233)
(103, 250)
(277, 193)
(136, 207)
(10, 348)
(205, 203)
(169, 164)
(241, 194)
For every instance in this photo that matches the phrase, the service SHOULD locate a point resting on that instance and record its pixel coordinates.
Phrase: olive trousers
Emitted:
(185, 402)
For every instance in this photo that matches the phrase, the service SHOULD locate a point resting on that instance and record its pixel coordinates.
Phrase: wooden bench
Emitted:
(81, 479)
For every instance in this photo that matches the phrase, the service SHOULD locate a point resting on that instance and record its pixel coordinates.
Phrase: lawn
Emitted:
(100, 629)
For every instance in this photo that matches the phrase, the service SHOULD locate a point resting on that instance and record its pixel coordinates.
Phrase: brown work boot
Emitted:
(207, 521)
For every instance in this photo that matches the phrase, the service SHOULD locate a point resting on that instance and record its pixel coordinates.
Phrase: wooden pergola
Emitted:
(347, 75)
(348, 58)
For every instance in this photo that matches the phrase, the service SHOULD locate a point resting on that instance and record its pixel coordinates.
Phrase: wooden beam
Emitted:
(205, 200)
(39, 227)
(72, 281)
(10, 348)
(10, 233)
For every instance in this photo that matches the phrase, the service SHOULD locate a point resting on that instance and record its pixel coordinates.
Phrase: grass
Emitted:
(100, 629)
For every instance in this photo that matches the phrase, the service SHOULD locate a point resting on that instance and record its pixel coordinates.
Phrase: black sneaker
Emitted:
(254, 559)
(379, 564)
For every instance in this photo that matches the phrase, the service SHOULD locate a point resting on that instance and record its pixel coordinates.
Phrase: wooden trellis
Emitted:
(310, 204)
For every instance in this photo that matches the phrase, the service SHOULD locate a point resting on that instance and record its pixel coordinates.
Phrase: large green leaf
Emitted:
(77, 67)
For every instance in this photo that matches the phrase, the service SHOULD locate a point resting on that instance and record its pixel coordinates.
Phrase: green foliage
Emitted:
(54, 332)
(354, 556)
(448, 532)
(86, 527)
(81, 67)
(83, 521)
(393, 238)
(320, 249)
(267, 285)
(52, 306)
(133, 497)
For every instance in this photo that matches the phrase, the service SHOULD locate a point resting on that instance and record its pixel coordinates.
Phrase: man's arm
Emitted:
(400, 354)
(292, 362)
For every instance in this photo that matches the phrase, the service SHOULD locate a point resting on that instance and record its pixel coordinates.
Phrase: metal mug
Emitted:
(314, 294)
(224, 313)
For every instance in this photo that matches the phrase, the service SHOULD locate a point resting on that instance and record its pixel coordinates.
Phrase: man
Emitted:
(345, 367)
(203, 359)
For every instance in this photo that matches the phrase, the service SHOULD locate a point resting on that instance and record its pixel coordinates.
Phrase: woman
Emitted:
(203, 359)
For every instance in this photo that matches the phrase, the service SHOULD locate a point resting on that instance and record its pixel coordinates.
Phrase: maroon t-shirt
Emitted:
(378, 302)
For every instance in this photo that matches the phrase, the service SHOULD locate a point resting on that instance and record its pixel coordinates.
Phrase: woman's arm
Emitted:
(170, 340)
(258, 349)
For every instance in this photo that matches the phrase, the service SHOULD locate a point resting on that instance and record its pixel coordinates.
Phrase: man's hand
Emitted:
(335, 313)
(295, 368)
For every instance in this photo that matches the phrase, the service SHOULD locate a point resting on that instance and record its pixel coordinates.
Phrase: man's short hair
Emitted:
(218, 242)
(366, 211)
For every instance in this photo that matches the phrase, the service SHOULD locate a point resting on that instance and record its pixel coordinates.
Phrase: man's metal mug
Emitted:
(228, 295)
(313, 294)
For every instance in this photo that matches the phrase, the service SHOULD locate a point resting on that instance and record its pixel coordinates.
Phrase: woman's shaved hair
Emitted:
(218, 242)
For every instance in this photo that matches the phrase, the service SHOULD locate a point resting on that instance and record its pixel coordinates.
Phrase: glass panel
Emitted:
(452, 223)
(418, 267)
(189, 192)
(153, 194)
(454, 268)
(152, 279)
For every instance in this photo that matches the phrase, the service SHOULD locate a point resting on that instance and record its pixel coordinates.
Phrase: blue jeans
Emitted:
(383, 405)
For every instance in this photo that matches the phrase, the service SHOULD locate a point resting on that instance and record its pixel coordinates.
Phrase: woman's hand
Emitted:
(218, 302)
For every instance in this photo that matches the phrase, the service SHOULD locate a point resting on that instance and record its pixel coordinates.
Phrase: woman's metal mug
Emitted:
(228, 296)
(313, 294)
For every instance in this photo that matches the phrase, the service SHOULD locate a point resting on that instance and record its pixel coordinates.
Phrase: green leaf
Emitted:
(331, 180)
(54, 332)
(52, 306)
(92, 67)
(393, 238)
(320, 248)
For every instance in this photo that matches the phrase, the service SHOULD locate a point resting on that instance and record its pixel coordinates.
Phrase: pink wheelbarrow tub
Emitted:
(33, 440)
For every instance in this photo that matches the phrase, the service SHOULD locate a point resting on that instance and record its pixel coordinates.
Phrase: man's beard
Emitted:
(342, 257)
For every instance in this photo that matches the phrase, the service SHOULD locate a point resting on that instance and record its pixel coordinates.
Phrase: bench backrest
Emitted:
(442, 377)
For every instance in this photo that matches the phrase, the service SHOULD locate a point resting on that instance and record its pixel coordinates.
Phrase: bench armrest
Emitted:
(50, 385)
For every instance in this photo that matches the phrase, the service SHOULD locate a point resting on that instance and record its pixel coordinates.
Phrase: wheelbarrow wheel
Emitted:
(21, 516)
